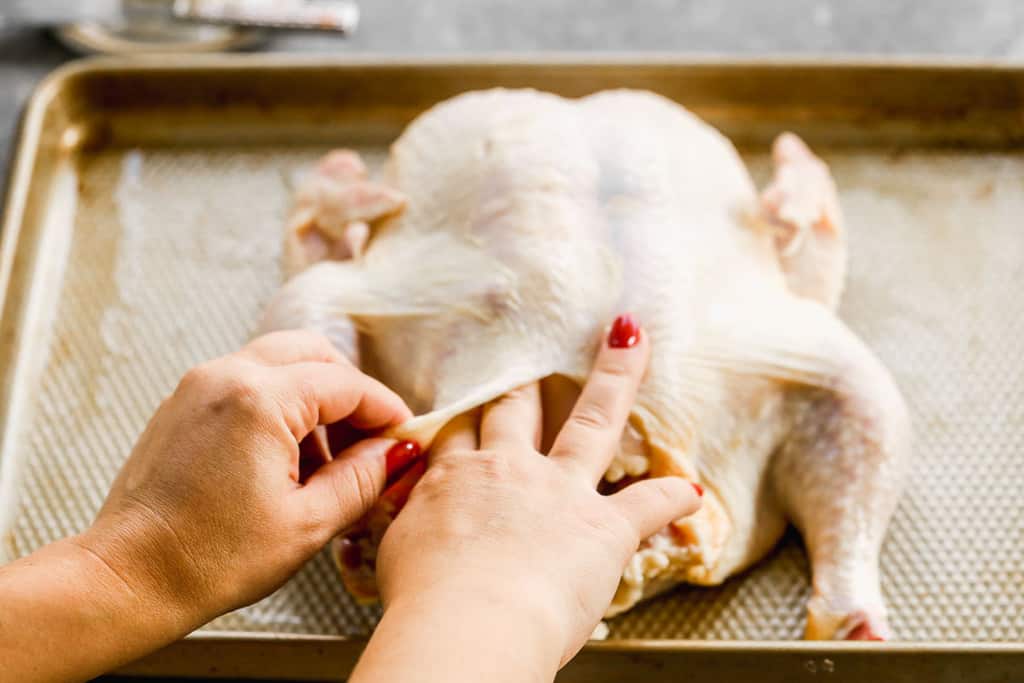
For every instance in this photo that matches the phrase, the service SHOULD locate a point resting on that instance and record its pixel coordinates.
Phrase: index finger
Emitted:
(591, 434)
(323, 393)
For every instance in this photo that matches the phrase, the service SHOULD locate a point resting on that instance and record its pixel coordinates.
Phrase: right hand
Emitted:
(210, 510)
(495, 523)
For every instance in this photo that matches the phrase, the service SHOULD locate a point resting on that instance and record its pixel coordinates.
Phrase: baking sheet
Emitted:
(142, 250)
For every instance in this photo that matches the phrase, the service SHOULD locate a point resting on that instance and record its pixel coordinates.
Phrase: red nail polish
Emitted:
(698, 488)
(398, 493)
(399, 456)
(625, 332)
(350, 554)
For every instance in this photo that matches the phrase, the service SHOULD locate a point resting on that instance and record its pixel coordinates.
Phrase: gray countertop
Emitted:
(954, 28)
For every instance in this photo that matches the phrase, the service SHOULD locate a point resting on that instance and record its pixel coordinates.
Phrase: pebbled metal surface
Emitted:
(174, 251)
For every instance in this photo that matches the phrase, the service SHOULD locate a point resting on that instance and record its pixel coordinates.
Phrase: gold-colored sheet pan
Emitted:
(142, 231)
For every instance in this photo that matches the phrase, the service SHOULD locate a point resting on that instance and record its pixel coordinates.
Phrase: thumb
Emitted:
(343, 490)
(652, 503)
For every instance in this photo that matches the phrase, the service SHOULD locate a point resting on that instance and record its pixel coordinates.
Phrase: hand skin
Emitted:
(207, 514)
(503, 561)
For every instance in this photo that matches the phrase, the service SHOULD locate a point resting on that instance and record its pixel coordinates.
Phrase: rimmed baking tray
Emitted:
(142, 231)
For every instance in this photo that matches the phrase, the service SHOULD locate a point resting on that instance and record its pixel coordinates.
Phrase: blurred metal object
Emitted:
(152, 37)
(53, 12)
(144, 26)
(305, 15)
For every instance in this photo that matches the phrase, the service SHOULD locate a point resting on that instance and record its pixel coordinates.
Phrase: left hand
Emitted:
(512, 551)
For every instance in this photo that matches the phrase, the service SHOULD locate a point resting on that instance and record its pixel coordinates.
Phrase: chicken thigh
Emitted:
(510, 227)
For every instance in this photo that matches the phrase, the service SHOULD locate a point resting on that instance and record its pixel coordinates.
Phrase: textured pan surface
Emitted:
(173, 251)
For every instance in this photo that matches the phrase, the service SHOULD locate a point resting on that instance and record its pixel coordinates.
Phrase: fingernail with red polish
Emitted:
(698, 488)
(625, 332)
(399, 456)
(396, 494)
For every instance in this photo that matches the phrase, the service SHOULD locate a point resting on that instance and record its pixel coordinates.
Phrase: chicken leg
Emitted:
(838, 476)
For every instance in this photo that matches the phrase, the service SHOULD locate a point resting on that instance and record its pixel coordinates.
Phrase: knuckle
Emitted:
(235, 388)
(664, 489)
(319, 343)
(351, 496)
(591, 416)
(615, 369)
(435, 475)
(475, 468)
(438, 476)
(240, 390)
(491, 463)
(361, 497)
(199, 376)
(307, 412)
(438, 484)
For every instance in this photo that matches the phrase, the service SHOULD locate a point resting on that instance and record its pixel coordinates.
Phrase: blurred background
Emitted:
(992, 29)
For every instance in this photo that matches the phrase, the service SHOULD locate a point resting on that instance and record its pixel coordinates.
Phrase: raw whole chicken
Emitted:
(510, 227)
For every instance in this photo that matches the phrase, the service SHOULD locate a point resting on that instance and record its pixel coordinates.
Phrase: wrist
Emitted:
(66, 597)
(136, 562)
(497, 620)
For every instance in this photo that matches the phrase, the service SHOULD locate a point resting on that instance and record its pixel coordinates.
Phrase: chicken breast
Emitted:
(511, 226)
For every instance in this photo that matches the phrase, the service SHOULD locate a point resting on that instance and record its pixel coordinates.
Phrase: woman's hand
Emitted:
(502, 551)
(207, 515)
(209, 506)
